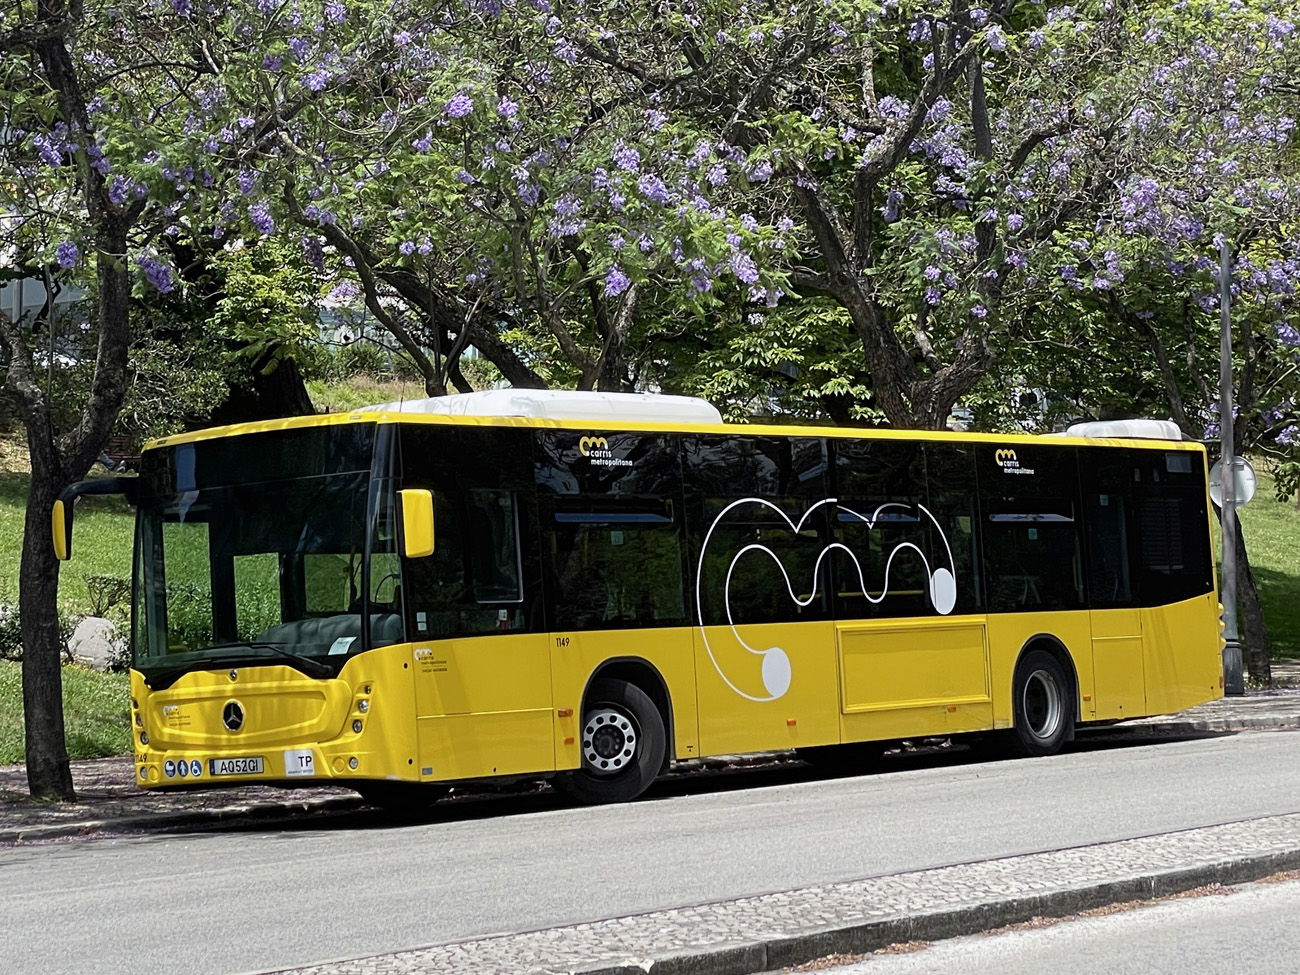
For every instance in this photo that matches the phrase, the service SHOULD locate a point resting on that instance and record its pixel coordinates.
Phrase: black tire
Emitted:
(623, 744)
(854, 758)
(401, 797)
(1043, 705)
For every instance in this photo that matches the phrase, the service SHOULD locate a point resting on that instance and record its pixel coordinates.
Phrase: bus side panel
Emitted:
(1181, 649)
(1008, 635)
(780, 693)
(483, 706)
(1118, 665)
(914, 677)
(576, 656)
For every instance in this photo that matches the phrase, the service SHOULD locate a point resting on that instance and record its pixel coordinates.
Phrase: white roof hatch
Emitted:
(562, 404)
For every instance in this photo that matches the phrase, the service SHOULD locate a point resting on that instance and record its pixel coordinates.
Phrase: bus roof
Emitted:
(651, 412)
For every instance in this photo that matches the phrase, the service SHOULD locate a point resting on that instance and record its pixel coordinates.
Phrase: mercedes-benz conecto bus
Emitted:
(587, 587)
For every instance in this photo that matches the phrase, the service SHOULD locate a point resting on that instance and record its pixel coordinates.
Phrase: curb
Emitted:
(857, 939)
(1141, 726)
(260, 811)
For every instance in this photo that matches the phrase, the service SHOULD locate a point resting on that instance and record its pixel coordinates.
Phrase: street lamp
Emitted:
(1233, 681)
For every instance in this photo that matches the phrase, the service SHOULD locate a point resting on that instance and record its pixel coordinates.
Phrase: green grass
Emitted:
(1272, 532)
(101, 543)
(95, 713)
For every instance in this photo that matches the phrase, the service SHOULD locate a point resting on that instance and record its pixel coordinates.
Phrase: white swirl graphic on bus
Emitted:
(776, 669)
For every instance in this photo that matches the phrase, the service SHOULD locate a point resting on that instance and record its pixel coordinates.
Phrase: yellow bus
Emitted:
(587, 587)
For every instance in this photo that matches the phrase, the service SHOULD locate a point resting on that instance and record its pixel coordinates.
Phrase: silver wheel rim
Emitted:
(610, 740)
(1042, 704)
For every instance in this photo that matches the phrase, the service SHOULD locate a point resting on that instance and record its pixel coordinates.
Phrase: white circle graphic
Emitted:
(776, 671)
(943, 591)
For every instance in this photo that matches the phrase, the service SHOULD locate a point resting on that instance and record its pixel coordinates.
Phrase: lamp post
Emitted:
(1233, 681)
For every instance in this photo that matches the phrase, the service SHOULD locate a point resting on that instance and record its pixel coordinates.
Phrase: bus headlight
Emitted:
(356, 726)
(363, 705)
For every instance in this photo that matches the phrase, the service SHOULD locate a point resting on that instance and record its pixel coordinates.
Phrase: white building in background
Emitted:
(26, 296)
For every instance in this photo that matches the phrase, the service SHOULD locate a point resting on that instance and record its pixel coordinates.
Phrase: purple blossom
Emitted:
(459, 105)
(626, 157)
(506, 108)
(260, 212)
(717, 175)
(67, 254)
(653, 188)
(407, 247)
(424, 143)
(273, 62)
(317, 79)
(314, 252)
(932, 296)
(616, 282)
(156, 273)
(892, 201)
(402, 38)
(744, 268)
(335, 12)
(979, 311)
(343, 293)
(932, 273)
(299, 47)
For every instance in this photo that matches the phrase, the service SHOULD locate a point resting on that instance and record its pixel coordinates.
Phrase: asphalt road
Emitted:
(1249, 930)
(237, 901)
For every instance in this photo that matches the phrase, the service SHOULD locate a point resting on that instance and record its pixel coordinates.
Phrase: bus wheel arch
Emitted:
(1044, 696)
(642, 673)
(625, 730)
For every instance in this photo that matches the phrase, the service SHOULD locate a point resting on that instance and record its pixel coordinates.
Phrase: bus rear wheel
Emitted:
(623, 744)
(1044, 711)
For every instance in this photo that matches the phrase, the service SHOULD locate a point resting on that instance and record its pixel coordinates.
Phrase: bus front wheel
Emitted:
(1043, 705)
(623, 743)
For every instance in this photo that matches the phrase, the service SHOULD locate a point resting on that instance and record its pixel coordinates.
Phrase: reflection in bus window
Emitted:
(612, 532)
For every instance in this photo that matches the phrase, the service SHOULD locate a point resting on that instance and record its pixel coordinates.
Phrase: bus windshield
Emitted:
(263, 572)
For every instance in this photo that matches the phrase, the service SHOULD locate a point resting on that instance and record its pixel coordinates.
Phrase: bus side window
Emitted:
(611, 529)
(1033, 551)
(494, 526)
(747, 495)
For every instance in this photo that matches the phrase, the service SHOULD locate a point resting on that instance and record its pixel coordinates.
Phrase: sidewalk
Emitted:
(772, 932)
(109, 802)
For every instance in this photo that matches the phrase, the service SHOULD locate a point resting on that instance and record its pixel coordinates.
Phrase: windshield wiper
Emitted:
(308, 666)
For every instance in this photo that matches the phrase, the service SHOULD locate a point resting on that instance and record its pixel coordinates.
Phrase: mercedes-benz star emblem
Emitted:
(232, 715)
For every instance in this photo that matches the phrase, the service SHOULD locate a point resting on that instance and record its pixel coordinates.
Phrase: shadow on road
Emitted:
(530, 798)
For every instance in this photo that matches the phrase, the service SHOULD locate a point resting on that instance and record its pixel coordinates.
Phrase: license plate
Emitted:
(235, 766)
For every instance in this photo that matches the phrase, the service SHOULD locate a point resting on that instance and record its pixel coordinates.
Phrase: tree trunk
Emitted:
(1256, 650)
(49, 776)
(268, 395)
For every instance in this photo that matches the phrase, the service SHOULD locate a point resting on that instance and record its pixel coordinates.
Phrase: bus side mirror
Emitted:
(61, 515)
(417, 522)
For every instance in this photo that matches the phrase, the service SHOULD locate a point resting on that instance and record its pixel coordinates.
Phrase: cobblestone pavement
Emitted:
(108, 800)
(765, 933)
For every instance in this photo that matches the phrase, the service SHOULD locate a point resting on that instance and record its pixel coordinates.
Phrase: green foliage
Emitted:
(102, 538)
(268, 309)
(1271, 528)
(107, 593)
(95, 711)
